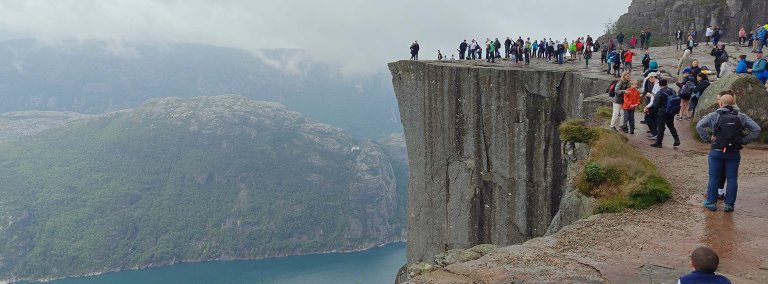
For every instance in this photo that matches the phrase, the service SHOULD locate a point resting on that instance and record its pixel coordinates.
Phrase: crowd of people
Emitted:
(726, 129)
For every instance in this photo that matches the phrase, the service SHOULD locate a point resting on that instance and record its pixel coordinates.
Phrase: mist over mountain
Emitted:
(191, 179)
(95, 77)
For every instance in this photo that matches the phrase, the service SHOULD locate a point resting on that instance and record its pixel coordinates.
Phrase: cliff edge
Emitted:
(486, 160)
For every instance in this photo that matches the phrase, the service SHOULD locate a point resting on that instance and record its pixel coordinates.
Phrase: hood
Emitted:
(723, 110)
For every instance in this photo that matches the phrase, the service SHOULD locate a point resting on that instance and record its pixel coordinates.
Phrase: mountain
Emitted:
(664, 17)
(95, 77)
(190, 179)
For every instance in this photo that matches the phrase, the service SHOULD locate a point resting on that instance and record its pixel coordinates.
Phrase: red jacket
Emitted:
(631, 98)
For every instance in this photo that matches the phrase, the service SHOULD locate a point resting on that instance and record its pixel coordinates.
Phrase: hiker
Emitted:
(462, 49)
(617, 59)
(492, 52)
(760, 37)
(620, 88)
(620, 40)
(691, 43)
(687, 86)
(742, 66)
(628, 59)
(632, 42)
(723, 129)
(587, 56)
(708, 34)
(759, 68)
(695, 68)
(488, 44)
(604, 56)
(720, 55)
(716, 33)
(647, 39)
(742, 36)
(631, 101)
(439, 55)
(667, 103)
(507, 47)
(642, 39)
(497, 47)
(701, 85)
(646, 61)
(679, 38)
(415, 50)
(650, 88)
(704, 262)
(572, 50)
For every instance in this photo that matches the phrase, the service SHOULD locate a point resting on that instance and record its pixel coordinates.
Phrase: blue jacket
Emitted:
(742, 66)
(706, 278)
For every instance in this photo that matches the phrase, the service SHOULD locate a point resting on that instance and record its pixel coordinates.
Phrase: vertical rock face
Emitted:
(664, 17)
(484, 153)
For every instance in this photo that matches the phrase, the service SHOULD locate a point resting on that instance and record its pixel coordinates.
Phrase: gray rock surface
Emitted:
(574, 205)
(751, 97)
(485, 157)
(26, 123)
(664, 17)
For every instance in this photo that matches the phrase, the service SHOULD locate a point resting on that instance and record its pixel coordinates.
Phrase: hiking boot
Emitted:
(710, 206)
(614, 128)
(656, 145)
(728, 208)
(677, 143)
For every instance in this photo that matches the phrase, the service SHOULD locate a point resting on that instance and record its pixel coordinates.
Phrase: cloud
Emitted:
(359, 35)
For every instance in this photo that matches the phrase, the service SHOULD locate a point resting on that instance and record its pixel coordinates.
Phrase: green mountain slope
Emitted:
(186, 180)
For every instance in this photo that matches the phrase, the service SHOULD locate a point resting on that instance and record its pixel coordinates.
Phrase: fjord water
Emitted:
(373, 266)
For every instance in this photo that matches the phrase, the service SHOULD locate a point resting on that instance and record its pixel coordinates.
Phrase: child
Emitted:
(631, 101)
(704, 262)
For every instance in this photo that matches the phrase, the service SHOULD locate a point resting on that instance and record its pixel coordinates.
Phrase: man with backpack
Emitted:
(760, 67)
(667, 103)
(723, 129)
(462, 49)
(721, 56)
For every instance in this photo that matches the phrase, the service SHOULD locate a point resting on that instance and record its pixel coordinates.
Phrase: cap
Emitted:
(652, 74)
(687, 70)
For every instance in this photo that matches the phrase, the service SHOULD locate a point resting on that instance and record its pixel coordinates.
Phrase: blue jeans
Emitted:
(723, 164)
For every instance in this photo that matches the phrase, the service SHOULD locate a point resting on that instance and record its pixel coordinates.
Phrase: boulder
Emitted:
(751, 98)
(455, 256)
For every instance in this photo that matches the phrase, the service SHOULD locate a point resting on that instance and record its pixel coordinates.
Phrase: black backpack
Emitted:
(727, 131)
(673, 102)
(612, 89)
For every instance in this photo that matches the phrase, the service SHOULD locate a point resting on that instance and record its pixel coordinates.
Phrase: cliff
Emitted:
(486, 161)
(664, 17)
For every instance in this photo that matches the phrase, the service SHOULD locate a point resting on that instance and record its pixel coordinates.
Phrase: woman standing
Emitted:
(701, 86)
(742, 36)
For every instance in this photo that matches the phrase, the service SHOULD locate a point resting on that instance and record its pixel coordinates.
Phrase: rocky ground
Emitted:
(644, 246)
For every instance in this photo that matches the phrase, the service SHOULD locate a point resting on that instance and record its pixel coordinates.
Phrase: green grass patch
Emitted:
(618, 175)
(653, 190)
(576, 130)
(604, 113)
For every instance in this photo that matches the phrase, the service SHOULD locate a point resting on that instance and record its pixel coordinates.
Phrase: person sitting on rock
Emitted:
(704, 262)
(760, 67)
(742, 66)
(685, 62)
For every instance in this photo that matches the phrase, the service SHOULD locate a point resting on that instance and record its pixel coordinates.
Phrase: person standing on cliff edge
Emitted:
(723, 129)
(415, 50)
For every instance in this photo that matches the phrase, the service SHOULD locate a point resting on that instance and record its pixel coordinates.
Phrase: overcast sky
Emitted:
(361, 35)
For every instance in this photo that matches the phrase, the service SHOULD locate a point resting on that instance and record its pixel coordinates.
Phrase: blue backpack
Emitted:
(673, 102)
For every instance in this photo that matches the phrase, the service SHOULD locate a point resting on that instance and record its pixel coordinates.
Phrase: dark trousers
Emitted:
(461, 54)
(629, 120)
(665, 120)
(679, 43)
(723, 165)
(650, 120)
